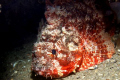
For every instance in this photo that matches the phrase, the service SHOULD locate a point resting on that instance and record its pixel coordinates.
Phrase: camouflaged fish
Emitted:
(73, 39)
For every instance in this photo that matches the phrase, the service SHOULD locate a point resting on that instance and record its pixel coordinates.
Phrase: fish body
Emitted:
(73, 40)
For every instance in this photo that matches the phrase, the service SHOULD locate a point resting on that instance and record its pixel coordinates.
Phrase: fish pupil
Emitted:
(53, 51)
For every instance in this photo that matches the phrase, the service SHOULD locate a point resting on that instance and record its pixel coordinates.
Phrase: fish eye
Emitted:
(53, 51)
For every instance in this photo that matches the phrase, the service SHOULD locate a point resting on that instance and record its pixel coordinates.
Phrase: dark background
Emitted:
(19, 19)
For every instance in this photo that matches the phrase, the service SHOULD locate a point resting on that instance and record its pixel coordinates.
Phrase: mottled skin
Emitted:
(76, 30)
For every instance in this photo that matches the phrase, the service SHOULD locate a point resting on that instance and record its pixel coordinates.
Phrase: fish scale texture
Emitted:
(76, 30)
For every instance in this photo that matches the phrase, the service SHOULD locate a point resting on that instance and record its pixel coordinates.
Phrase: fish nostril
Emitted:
(53, 51)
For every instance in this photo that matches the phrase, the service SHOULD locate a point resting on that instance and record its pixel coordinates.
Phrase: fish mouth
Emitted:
(54, 67)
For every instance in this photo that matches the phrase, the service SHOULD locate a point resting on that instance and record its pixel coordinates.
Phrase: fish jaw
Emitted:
(56, 66)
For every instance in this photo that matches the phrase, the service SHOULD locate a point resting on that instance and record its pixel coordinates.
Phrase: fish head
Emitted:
(59, 56)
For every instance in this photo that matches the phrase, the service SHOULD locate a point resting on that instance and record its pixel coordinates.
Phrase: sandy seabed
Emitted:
(18, 66)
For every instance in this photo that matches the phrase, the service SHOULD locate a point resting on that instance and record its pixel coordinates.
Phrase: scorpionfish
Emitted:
(73, 39)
